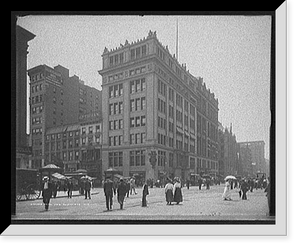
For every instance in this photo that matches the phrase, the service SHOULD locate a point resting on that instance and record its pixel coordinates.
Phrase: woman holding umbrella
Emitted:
(226, 194)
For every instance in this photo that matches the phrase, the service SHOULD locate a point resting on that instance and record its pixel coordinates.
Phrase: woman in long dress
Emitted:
(169, 192)
(177, 191)
(226, 195)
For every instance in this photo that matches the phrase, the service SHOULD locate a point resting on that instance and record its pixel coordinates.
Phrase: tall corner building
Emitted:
(56, 99)
(152, 104)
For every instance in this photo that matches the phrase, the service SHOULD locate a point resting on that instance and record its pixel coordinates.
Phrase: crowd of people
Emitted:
(244, 185)
(124, 187)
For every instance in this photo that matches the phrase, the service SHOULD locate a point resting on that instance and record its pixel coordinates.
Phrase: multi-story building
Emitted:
(56, 99)
(76, 146)
(257, 149)
(152, 103)
(228, 152)
(245, 162)
(91, 143)
(23, 151)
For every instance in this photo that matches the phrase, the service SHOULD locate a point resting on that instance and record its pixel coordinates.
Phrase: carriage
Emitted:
(28, 184)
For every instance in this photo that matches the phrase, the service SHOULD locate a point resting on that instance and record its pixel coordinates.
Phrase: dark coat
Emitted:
(121, 191)
(87, 185)
(145, 190)
(177, 195)
(108, 187)
(244, 186)
(47, 193)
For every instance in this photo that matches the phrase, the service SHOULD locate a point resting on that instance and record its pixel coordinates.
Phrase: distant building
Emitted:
(56, 99)
(246, 162)
(257, 149)
(23, 151)
(228, 152)
(76, 146)
(152, 104)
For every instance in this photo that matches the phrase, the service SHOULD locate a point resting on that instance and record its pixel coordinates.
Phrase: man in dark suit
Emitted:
(87, 188)
(108, 188)
(121, 192)
(46, 192)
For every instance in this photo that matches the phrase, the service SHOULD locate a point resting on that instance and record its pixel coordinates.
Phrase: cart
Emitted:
(28, 185)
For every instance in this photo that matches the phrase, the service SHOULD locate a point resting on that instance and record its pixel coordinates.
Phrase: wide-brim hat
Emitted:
(45, 178)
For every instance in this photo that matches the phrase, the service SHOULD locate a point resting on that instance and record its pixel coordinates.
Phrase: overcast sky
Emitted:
(230, 53)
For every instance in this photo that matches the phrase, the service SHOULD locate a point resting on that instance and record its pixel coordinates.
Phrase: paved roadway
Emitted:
(197, 205)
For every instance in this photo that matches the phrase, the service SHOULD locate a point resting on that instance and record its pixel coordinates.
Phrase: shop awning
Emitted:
(59, 176)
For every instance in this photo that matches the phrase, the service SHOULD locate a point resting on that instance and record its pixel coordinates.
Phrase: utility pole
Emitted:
(177, 39)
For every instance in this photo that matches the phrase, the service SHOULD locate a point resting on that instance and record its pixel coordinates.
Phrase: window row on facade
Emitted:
(72, 143)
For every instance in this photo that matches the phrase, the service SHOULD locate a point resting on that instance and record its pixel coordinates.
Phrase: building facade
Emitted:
(246, 162)
(257, 149)
(23, 151)
(76, 146)
(56, 99)
(229, 163)
(151, 103)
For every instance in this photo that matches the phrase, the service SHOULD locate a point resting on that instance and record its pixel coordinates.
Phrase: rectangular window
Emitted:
(138, 52)
(131, 122)
(120, 107)
(143, 50)
(131, 158)
(137, 121)
(138, 104)
(132, 105)
(132, 141)
(143, 137)
(121, 124)
(138, 85)
(138, 138)
(143, 84)
(143, 120)
(132, 54)
(121, 57)
(143, 103)
(132, 87)
(111, 109)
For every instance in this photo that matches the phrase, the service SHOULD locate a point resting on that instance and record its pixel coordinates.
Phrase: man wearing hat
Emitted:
(108, 188)
(46, 191)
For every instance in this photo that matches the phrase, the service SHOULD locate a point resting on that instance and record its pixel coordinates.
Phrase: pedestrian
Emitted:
(200, 183)
(46, 192)
(127, 187)
(69, 188)
(145, 192)
(169, 191)
(121, 192)
(244, 188)
(109, 190)
(132, 186)
(54, 190)
(207, 183)
(188, 184)
(87, 189)
(226, 194)
(177, 191)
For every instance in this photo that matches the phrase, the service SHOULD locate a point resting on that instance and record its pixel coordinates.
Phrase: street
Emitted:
(197, 205)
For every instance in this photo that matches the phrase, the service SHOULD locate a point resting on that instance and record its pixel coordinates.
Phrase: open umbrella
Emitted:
(51, 166)
(230, 178)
